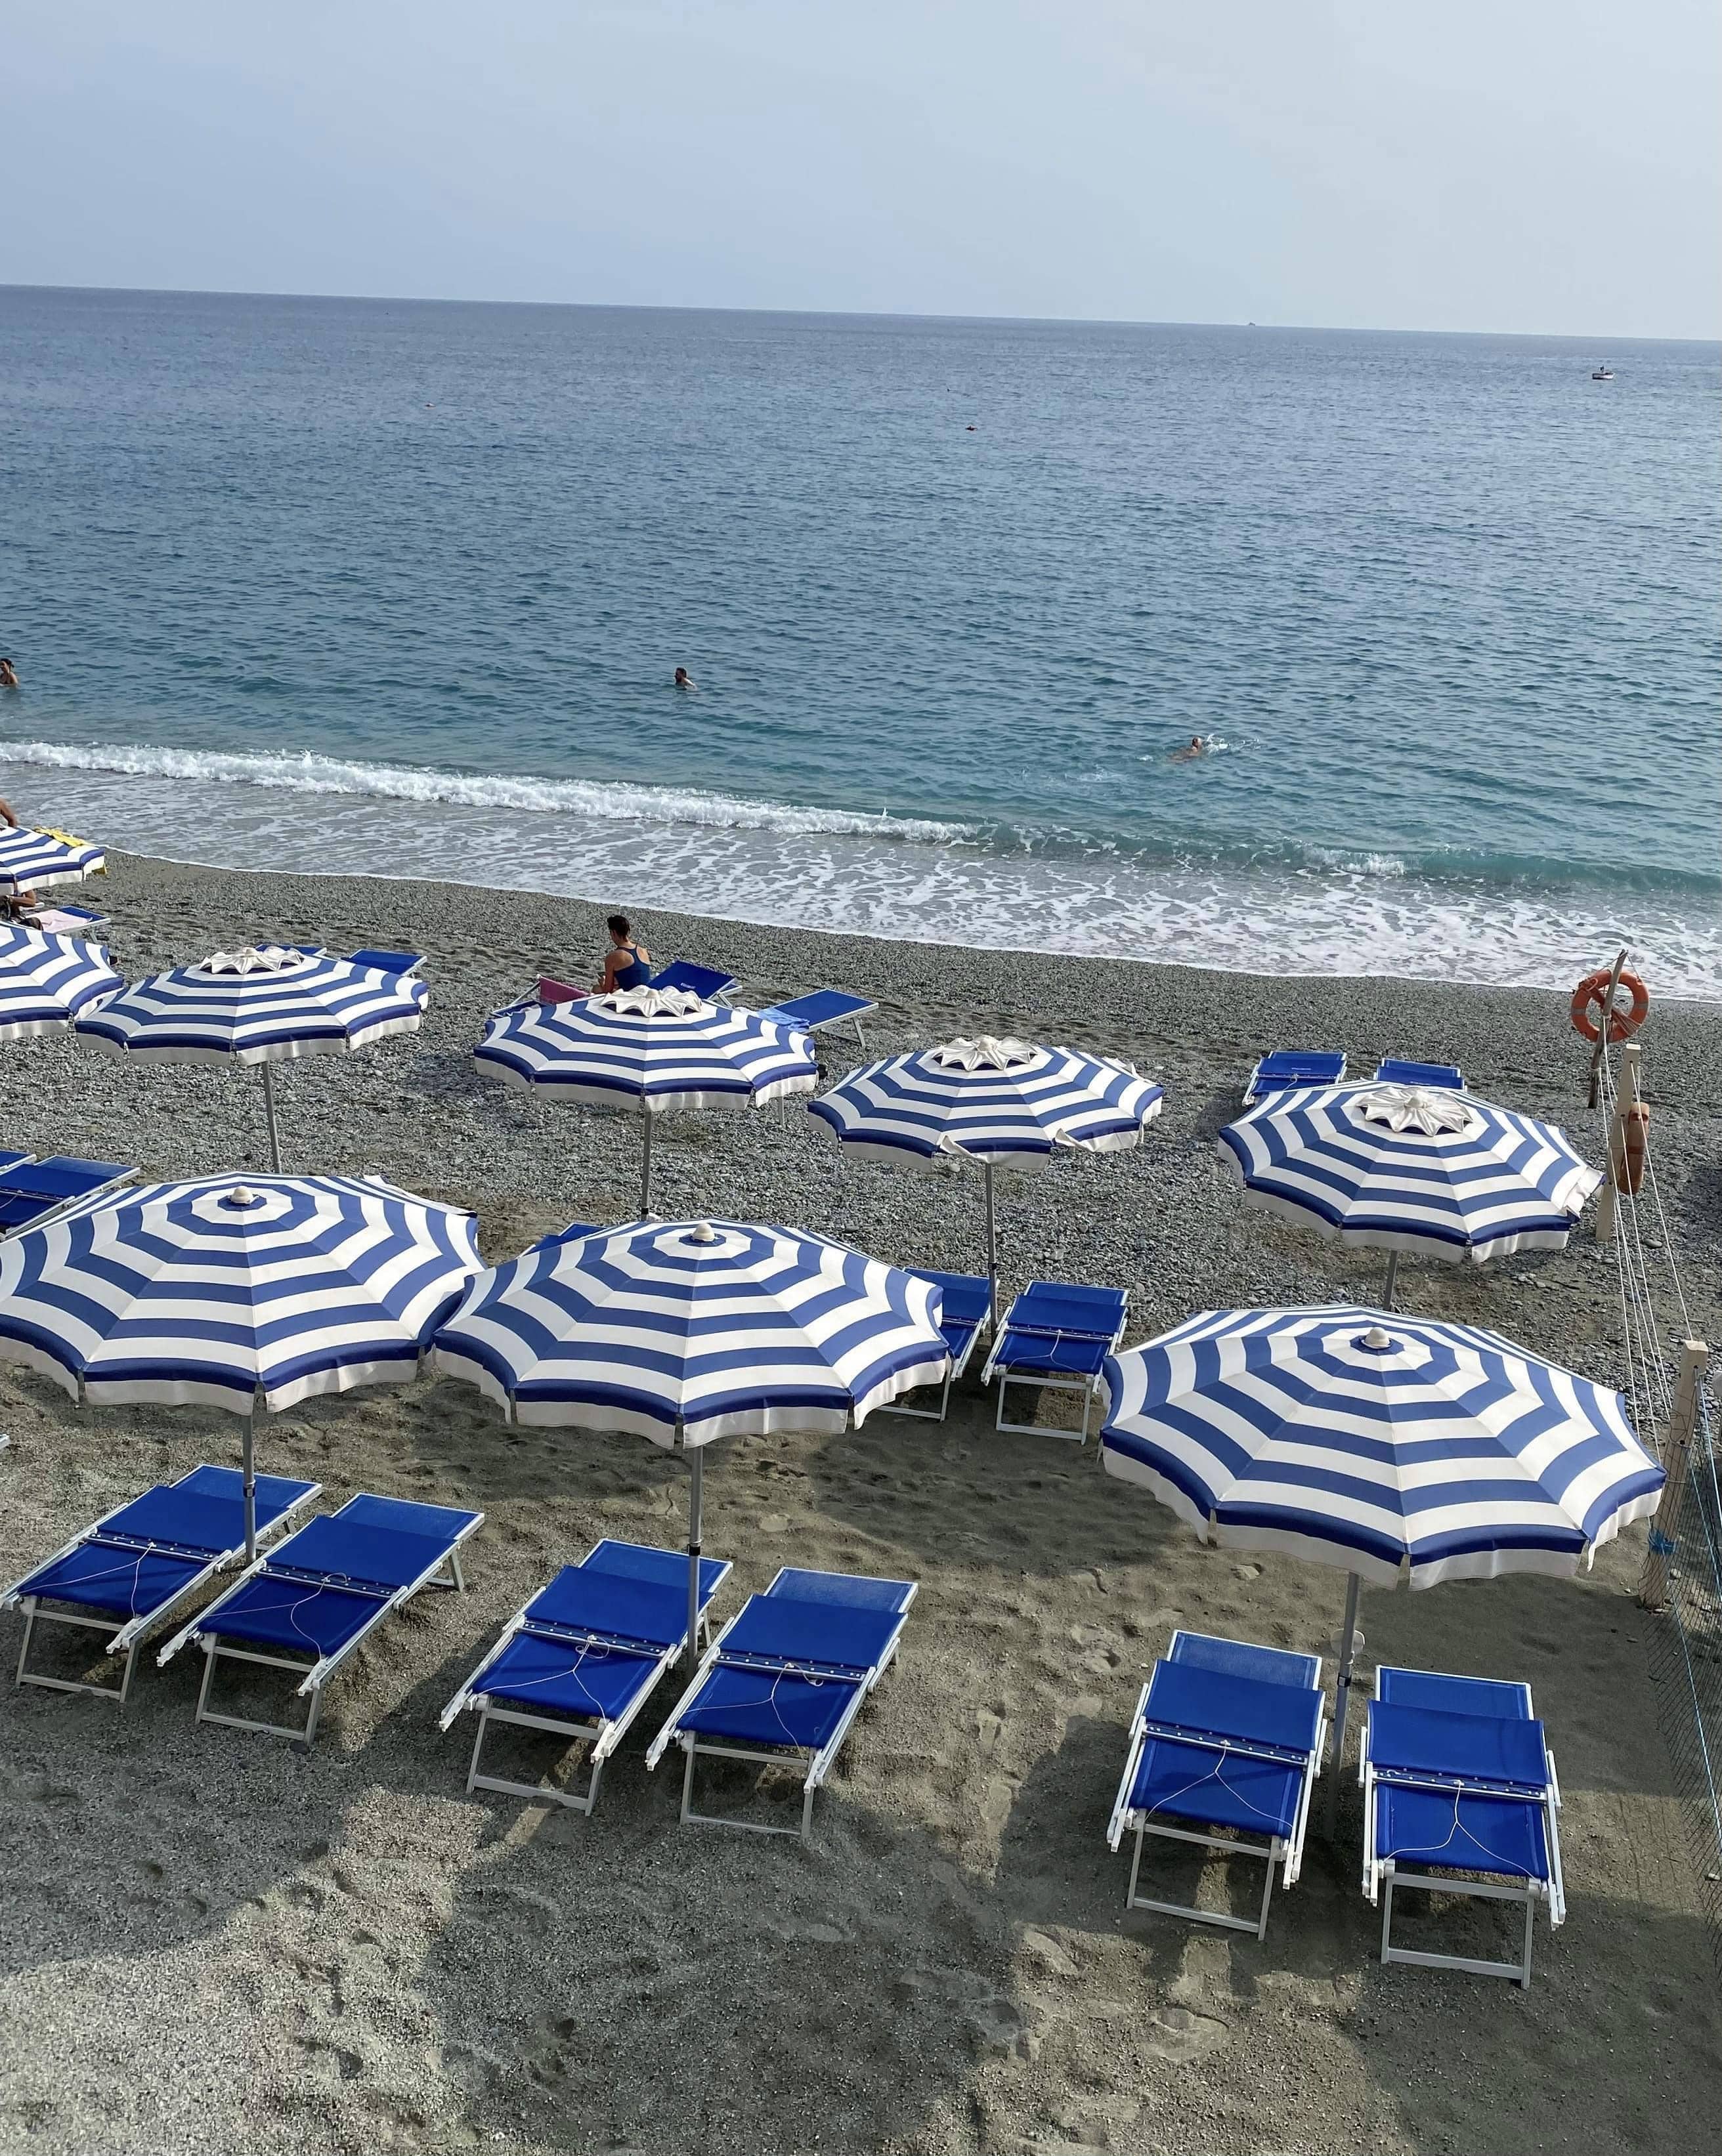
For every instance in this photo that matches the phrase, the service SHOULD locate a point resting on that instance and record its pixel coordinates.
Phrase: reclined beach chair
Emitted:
(1287, 1067)
(967, 1312)
(81, 921)
(584, 1655)
(784, 1680)
(823, 1008)
(1056, 1336)
(1438, 1077)
(707, 982)
(134, 1567)
(388, 962)
(322, 1591)
(576, 1231)
(1458, 1779)
(1227, 1738)
(32, 1191)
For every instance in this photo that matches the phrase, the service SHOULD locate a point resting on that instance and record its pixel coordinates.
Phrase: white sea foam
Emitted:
(1360, 915)
(614, 802)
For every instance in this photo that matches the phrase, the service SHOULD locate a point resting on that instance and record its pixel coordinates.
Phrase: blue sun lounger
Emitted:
(967, 1312)
(1435, 1077)
(1056, 1336)
(1460, 1797)
(823, 1007)
(134, 1567)
(583, 1657)
(784, 1680)
(322, 1592)
(32, 1191)
(388, 962)
(1287, 1067)
(1226, 1739)
(707, 982)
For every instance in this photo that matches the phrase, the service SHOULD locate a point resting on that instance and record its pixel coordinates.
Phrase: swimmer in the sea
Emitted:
(8, 674)
(1198, 746)
(684, 680)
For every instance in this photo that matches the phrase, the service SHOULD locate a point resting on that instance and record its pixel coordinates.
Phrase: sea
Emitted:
(399, 589)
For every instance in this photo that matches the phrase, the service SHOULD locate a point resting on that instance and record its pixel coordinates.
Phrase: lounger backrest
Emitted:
(853, 1590)
(1423, 1744)
(1313, 1065)
(1453, 1695)
(1243, 1710)
(12, 1159)
(1394, 1070)
(821, 1635)
(1240, 1658)
(402, 1515)
(61, 1176)
(1085, 1313)
(708, 981)
(275, 1494)
(580, 1600)
(661, 1567)
(388, 962)
(352, 1553)
(550, 991)
(171, 1517)
(576, 1231)
(823, 1007)
(967, 1298)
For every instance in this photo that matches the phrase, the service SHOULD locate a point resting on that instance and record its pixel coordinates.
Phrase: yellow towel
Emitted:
(67, 839)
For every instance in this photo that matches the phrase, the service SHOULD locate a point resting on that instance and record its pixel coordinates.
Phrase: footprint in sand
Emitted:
(1180, 2036)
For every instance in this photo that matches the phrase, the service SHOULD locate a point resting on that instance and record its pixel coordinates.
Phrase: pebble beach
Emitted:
(212, 1941)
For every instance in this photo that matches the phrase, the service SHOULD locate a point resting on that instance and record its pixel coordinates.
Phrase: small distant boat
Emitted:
(1602, 374)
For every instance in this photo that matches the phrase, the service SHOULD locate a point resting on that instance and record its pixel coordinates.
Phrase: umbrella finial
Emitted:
(1378, 1340)
(242, 1198)
(704, 1233)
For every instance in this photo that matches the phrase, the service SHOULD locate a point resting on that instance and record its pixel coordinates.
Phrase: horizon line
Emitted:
(844, 313)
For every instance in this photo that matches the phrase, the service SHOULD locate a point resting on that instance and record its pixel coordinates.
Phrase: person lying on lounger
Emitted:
(626, 964)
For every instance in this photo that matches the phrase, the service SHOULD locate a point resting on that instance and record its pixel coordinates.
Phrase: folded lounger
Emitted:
(706, 981)
(388, 962)
(1440, 1077)
(1458, 1778)
(824, 1007)
(133, 1568)
(784, 1680)
(1226, 1736)
(1056, 1336)
(967, 1312)
(31, 1190)
(1287, 1067)
(321, 1592)
(584, 1655)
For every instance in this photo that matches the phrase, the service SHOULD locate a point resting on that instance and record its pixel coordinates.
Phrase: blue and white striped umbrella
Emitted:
(260, 1005)
(46, 980)
(648, 1050)
(223, 1292)
(32, 861)
(1405, 1169)
(1383, 1445)
(1000, 1102)
(686, 1331)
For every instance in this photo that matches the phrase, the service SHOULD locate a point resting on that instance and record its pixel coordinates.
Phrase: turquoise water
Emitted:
(305, 583)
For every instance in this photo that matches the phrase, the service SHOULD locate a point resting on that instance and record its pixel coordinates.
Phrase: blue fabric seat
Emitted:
(1056, 1336)
(320, 1592)
(966, 1311)
(128, 1572)
(31, 1189)
(1460, 1797)
(822, 1008)
(708, 982)
(1287, 1067)
(1227, 1738)
(786, 1678)
(388, 962)
(1441, 1077)
(582, 1658)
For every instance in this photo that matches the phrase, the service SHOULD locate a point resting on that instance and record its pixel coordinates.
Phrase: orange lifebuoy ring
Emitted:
(1628, 1161)
(1622, 1025)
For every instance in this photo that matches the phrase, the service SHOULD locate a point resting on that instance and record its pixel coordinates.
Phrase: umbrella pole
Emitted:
(645, 1167)
(248, 1450)
(695, 1509)
(1342, 1694)
(992, 1249)
(269, 1111)
(1392, 1279)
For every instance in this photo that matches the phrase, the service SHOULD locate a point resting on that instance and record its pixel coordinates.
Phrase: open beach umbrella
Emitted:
(685, 1331)
(260, 1005)
(32, 860)
(1391, 1447)
(1403, 1169)
(1002, 1102)
(649, 1050)
(232, 1294)
(46, 980)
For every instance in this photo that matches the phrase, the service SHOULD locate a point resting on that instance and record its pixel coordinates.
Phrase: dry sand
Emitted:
(211, 1941)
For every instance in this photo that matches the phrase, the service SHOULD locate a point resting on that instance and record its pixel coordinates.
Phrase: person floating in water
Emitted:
(627, 964)
(8, 674)
(1197, 747)
(684, 680)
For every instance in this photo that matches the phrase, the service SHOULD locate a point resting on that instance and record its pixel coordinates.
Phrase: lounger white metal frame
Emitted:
(1385, 1873)
(1087, 1387)
(819, 1762)
(604, 1735)
(1285, 1850)
(956, 1368)
(125, 1638)
(315, 1675)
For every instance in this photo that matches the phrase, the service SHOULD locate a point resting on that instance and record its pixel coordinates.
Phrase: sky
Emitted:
(1538, 165)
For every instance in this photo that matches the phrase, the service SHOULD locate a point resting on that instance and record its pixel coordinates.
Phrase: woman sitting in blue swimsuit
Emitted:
(626, 964)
